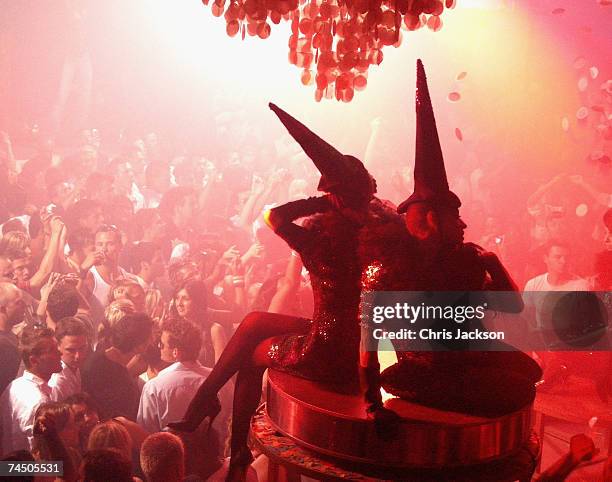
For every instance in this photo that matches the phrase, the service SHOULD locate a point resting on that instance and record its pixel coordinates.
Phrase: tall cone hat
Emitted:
(337, 170)
(430, 182)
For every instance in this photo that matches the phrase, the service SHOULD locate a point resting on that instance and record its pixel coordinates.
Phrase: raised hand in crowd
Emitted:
(52, 281)
(55, 225)
(248, 212)
(253, 254)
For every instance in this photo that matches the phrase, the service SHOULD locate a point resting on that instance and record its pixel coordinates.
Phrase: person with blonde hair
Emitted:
(117, 310)
(112, 314)
(128, 289)
(155, 306)
(162, 458)
(16, 241)
(110, 435)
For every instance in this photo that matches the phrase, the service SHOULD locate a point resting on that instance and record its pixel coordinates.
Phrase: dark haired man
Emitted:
(85, 214)
(540, 307)
(165, 398)
(147, 263)
(82, 255)
(72, 337)
(61, 301)
(148, 226)
(558, 276)
(105, 376)
(21, 398)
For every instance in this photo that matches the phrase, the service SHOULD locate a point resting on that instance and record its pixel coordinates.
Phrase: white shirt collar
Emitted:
(184, 365)
(34, 378)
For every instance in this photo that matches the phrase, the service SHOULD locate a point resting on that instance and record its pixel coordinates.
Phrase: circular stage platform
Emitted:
(286, 456)
(335, 424)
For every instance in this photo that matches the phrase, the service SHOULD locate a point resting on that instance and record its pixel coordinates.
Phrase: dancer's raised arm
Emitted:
(281, 218)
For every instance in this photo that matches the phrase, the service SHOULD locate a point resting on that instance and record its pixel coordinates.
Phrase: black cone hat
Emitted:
(338, 171)
(430, 182)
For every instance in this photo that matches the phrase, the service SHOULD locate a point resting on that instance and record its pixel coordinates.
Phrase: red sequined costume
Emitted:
(329, 351)
(324, 349)
(486, 383)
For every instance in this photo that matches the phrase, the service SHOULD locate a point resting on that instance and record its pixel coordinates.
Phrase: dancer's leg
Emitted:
(385, 420)
(369, 377)
(247, 394)
(254, 329)
(369, 367)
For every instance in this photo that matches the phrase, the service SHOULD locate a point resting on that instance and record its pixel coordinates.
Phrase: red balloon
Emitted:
(263, 30)
(216, 10)
(306, 77)
(306, 26)
(232, 28)
(360, 82)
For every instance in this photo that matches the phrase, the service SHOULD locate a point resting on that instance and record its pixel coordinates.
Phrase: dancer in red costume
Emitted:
(426, 252)
(326, 348)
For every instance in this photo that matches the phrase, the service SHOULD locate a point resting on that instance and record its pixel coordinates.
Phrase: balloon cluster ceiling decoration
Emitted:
(333, 41)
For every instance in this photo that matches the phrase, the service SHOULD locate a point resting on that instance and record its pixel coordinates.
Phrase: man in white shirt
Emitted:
(542, 295)
(165, 398)
(23, 396)
(73, 343)
(558, 277)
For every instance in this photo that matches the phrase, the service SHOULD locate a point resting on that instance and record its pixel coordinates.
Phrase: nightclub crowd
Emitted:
(126, 268)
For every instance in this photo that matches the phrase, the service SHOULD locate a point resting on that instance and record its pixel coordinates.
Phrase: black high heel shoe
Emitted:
(386, 422)
(197, 411)
(239, 466)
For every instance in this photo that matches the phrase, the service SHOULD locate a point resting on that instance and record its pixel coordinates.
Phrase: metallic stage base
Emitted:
(335, 424)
